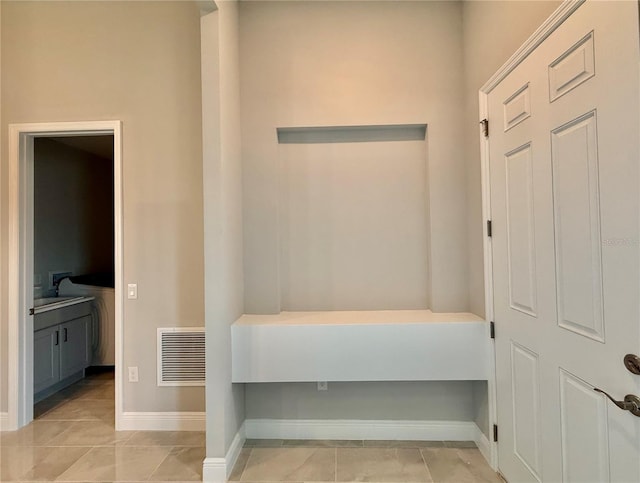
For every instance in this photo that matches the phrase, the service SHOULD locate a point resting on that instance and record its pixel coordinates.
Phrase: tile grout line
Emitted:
(148, 478)
(425, 463)
(91, 448)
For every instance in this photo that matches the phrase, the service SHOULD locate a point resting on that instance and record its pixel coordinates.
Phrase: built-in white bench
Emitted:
(387, 345)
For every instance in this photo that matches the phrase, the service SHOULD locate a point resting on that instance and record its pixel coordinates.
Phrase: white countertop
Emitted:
(357, 317)
(52, 303)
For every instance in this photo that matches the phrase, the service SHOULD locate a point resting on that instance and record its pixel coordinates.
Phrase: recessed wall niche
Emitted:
(353, 218)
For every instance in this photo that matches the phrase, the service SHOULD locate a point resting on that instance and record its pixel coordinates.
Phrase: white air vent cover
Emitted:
(181, 358)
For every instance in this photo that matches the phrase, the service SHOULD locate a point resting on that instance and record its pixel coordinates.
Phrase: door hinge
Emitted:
(489, 228)
(495, 433)
(485, 127)
(492, 329)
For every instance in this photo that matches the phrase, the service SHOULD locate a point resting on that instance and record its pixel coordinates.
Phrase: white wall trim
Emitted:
(4, 419)
(361, 429)
(485, 177)
(20, 296)
(483, 445)
(217, 470)
(234, 450)
(563, 12)
(214, 470)
(163, 421)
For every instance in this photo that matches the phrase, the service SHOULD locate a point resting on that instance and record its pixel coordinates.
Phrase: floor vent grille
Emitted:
(181, 356)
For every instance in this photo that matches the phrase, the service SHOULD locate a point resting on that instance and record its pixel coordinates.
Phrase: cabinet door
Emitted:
(74, 344)
(46, 358)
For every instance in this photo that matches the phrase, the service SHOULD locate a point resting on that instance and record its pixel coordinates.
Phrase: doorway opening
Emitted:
(65, 271)
(73, 278)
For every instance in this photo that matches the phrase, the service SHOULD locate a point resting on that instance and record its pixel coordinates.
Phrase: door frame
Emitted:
(564, 11)
(20, 261)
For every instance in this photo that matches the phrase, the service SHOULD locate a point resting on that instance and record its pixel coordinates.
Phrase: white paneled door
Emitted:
(565, 181)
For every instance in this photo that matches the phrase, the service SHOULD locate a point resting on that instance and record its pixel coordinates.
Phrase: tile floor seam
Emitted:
(156, 468)
(91, 448)
(131, 434)
(58, 435)
(425, 464)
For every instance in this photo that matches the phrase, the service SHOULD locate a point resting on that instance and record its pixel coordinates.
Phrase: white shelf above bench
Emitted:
(386, 345)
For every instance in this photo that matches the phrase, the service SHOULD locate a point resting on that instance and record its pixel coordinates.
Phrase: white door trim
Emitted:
(564, 11)
(20, 269)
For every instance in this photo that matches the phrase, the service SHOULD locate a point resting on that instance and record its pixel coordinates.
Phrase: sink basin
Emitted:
(52, 300)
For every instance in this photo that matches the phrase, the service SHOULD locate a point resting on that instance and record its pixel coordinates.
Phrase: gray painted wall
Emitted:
(353, 226)
(340, 64)
(138, 62)
(73, 212)
(402, 401)
(480, 405)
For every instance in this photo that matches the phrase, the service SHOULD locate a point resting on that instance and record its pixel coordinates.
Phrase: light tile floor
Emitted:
(355, 461)
(73, 439)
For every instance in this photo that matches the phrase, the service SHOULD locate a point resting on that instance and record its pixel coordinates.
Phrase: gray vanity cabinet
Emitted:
(61, 347)
(46, 360)
(74, 353)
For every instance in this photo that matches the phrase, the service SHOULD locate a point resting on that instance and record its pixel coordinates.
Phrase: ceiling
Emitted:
(101, 146)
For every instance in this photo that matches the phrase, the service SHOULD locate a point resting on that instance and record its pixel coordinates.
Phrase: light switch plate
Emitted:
(132, 291)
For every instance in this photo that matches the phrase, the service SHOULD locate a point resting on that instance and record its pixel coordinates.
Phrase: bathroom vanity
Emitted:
(62, 343)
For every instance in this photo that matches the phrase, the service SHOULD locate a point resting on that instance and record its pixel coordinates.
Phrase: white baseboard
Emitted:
(217, 470)
(4, 421)
(214, 470)
(162, 421)
(483, 445)
(235, 448)
(361, 429)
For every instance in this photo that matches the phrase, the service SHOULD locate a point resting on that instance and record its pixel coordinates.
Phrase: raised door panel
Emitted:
(575, 66)
(520, 231)
(525, 384)
(74, 351)
(517, 107)
(577, 227)
(46, 358)
(585, 453)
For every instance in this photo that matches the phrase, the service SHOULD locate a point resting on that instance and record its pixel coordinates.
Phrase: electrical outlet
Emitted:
(133, 374)
(323, 386)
